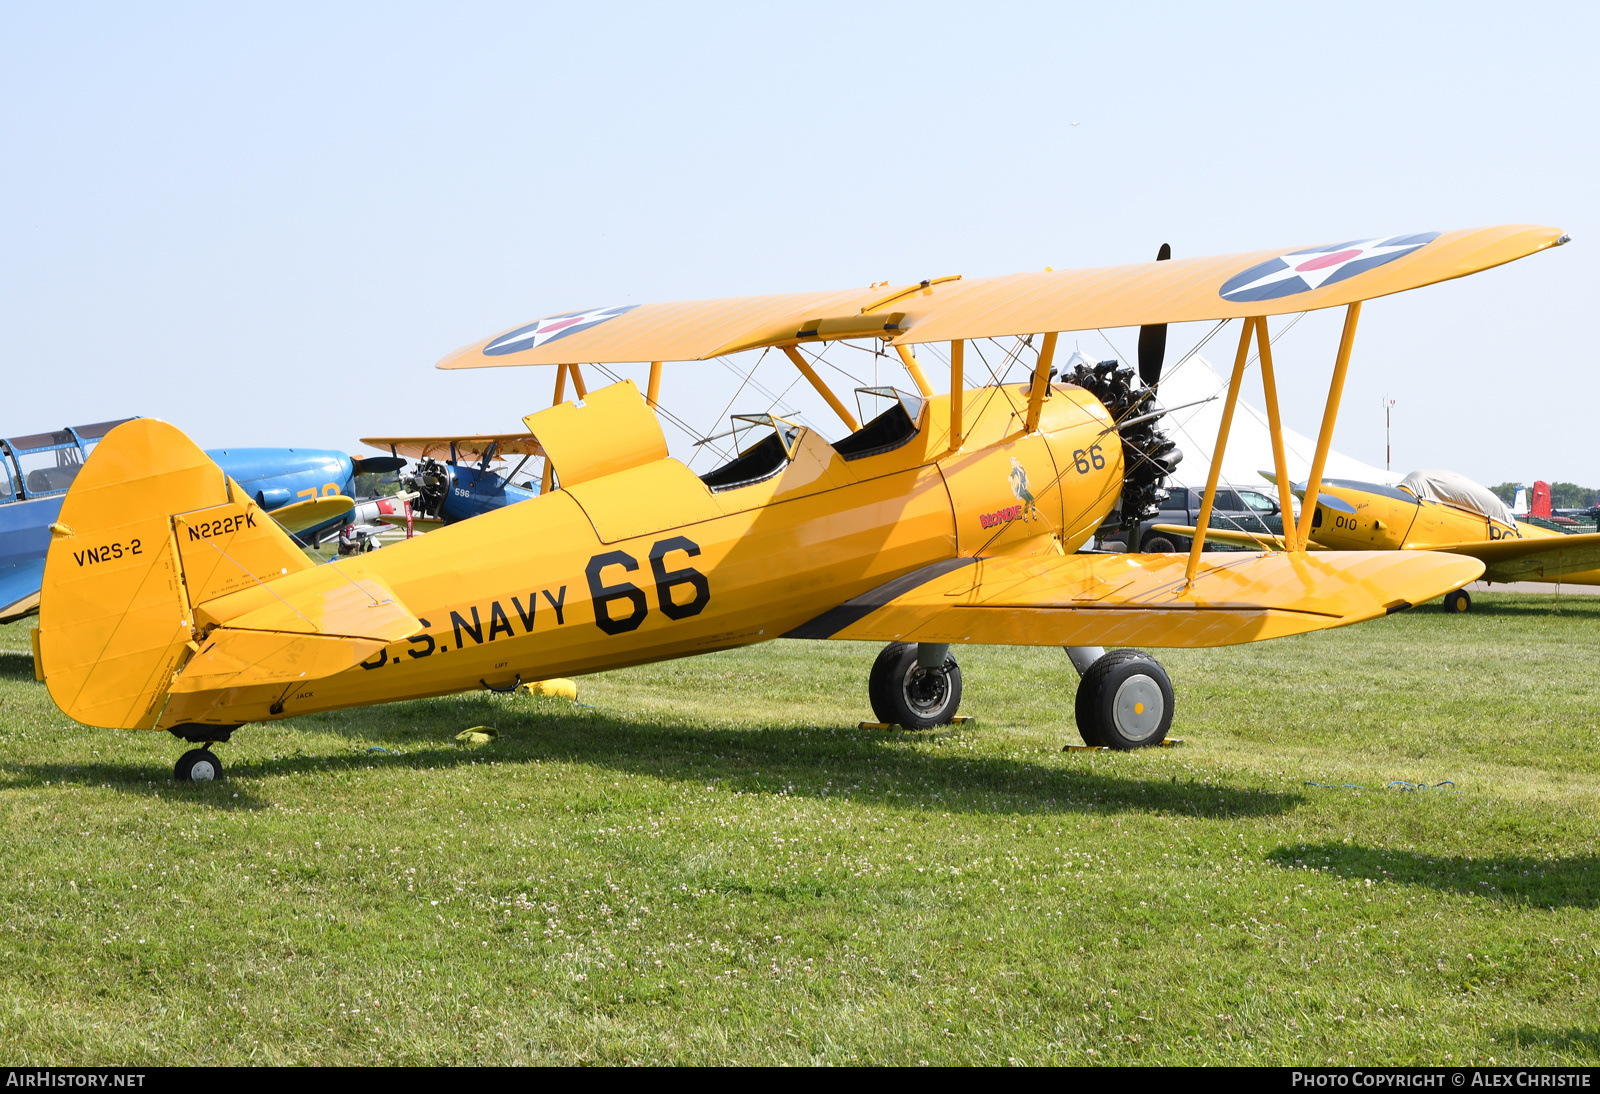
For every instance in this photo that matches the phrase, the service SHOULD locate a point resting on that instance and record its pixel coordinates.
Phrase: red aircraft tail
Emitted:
(1540, 506)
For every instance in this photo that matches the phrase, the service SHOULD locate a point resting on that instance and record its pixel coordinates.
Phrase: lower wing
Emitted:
(1542, 559)
(312, 512)
(1141, 600)
(1264, 540)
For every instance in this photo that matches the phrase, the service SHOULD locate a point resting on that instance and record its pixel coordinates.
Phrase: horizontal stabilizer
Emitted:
(328, 602)
(1142, 600)
(248, 675)
(241, 659)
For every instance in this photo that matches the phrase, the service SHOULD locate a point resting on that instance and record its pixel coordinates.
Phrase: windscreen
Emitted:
(50, 471)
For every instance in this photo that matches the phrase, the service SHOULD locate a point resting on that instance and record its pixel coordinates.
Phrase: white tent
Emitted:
(1249, 451)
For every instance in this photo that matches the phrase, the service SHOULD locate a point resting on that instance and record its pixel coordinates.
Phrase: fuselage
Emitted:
(474, 491)
(275, 477)
(1387, 518)
(650, 563)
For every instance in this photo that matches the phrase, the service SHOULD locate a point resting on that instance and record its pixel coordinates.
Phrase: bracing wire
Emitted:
(706, 436)
(671, 418)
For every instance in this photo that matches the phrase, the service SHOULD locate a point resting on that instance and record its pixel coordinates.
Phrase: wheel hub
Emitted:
(1138, 707)
(926, 688)
(202, 772)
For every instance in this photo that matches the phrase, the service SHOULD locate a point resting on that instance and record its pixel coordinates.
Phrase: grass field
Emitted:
(708, 863)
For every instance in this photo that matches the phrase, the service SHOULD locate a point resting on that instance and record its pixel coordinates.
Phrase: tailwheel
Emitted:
(915, 686)
(198, 765)
(1458, 601)
(1124, 701)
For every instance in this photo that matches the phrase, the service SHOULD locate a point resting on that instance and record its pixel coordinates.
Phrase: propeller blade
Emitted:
(376, 465)
(1153, 339)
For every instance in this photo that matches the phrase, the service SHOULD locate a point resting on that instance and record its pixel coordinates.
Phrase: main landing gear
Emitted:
(915, 686)
(1457, 601)
(199, 765)
(1124, 698)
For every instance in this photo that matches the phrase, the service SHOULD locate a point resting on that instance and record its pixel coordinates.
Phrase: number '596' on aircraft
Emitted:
(947, 519)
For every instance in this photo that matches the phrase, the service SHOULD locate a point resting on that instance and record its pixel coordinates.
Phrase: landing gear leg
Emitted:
(1124, 699)
(915, 686)
(1084, 656)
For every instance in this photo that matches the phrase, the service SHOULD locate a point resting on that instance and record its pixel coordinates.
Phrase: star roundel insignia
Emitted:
(1314, 267)
(538, 333)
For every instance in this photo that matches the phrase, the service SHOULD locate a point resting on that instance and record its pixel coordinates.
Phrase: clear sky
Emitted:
(266, 223)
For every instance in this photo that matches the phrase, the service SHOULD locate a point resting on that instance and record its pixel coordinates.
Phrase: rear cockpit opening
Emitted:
(765, 444)
(888, 428)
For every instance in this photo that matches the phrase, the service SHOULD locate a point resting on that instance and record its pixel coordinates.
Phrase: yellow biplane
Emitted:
(945, 520)
(1436, 511)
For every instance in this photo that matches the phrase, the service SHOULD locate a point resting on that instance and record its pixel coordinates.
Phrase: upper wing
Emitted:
(1542, 559)
(1140, 600)
(467, 449)
(1181, 290)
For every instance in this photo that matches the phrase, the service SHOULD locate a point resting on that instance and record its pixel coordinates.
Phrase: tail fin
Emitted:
(1540, 506)
(150, 528)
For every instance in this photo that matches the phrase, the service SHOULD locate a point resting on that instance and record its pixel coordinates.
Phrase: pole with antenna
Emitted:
(1387, 458)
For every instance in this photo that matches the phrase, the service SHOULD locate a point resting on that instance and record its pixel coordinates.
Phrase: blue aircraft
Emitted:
(454, 477)
(309, 491)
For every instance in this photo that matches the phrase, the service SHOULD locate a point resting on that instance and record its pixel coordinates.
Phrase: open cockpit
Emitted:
(887, 428)
(766, 444)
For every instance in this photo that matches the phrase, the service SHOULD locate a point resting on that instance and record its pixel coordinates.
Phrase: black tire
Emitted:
(1159, 545)
(1115, 700)
(1458, 602)
(197, 765)
(877, 679)
(904, 694)
(1083, 702)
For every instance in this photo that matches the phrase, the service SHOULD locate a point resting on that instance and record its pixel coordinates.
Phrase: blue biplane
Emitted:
(455, 477)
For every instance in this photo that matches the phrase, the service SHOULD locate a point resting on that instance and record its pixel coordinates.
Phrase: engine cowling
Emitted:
(1149, 456)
